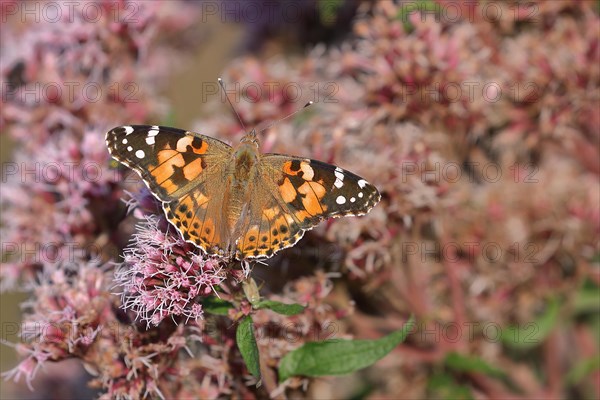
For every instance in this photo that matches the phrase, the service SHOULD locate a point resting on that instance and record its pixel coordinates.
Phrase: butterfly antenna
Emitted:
(231, 105)
(310, 103)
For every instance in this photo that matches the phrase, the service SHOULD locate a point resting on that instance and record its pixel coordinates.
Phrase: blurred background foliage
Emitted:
(482, 132)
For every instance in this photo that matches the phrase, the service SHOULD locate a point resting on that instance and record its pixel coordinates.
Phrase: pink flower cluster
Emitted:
(163, 276)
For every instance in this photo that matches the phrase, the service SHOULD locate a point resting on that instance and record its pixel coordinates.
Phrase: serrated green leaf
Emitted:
(280, 308)
(533, 333)
(246, 342)
(462, 363)
(216, 306)
(338, 357)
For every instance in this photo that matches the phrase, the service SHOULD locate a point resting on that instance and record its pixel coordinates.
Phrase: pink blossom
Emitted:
(158, 282)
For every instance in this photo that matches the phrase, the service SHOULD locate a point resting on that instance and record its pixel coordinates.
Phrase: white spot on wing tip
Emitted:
(339, 177)
(150, 140)
(128, 129)
(129, 148)
(140, 154)
(362, 183)
(340, 200)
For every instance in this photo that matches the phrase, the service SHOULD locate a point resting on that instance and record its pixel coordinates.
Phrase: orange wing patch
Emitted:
(192, 170)
(169, 159)
(287, 191)
(197, 145)
(313, 192)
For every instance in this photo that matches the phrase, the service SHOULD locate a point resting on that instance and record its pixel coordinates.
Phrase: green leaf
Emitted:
(246, 342)
(587, 299)
(216, 306)
(280, 308)
(251, 291)
(582, 369)
(421, 6)
(533, 333)
(338, 357)
(462, 363)
(328, 10)
(443, 386)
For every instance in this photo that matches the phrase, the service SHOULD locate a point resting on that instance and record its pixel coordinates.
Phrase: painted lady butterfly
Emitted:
(235, 201)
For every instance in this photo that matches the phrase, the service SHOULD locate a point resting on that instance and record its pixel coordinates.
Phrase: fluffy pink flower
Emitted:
(163, 276)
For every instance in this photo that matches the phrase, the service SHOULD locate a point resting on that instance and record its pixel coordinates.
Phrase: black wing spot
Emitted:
(207, 230)
(295, 165)
(264, 238)
(256, 252)
(275, 232)
(283, 228)
(196, 225)
(197, 142)
(275, 242)
(252, 238)
(183, 208)
(189, 214)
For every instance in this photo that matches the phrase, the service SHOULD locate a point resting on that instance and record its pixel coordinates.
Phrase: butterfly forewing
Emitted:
(293, 195)
(316, 190)
(185, 170)
(171, 161)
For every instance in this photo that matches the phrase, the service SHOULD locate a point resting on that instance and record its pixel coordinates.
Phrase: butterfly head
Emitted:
(250, 138)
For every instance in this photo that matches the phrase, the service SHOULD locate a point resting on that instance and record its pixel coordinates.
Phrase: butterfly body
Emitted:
(236, 202)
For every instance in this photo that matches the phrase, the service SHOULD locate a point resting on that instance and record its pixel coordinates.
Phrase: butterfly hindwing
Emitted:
(194, 217)
(270, 226)
(171, 161)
